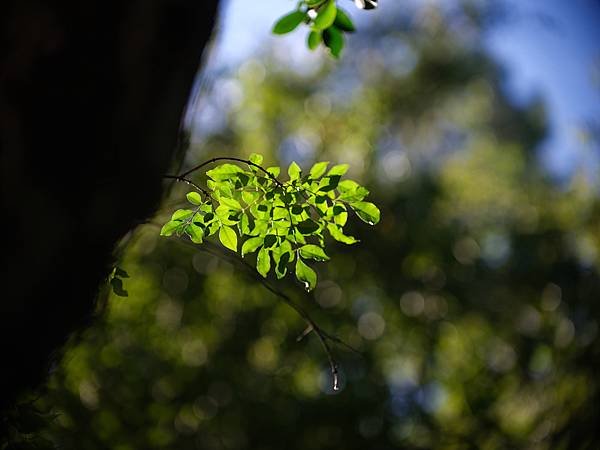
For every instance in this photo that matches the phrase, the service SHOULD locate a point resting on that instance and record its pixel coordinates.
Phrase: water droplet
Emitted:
(306, 286)
(370, 223)
(336, 382)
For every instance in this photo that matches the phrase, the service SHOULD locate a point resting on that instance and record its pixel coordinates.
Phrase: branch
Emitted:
(188, 181)
(229, 158)
(323, 336)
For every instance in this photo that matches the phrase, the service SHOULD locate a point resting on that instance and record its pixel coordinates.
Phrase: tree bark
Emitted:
(91, 99)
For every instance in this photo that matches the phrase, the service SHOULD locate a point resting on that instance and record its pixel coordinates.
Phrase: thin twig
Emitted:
(188, 181)
(322, 335)
(230, 158)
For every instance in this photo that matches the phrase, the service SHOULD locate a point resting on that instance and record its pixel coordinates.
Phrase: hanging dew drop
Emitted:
(336, 382)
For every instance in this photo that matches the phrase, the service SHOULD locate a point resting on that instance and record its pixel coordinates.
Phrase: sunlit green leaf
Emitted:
(338, 235)
(182, 214)
(251, 245)
(318, 169)
(294, 171)
(230, 203)
(339, 169)
(263, 262)
(367, 211)
(169, 228)
(194, 198)
(249, 197)
(256, 158)
(275, 171)
(224, 172)
(311, 251)
(305, 275)
(340, 215)
(196, 233)
(228, 238)
(326, 15)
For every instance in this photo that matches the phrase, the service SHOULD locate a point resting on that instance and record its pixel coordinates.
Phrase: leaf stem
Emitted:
(231, 158)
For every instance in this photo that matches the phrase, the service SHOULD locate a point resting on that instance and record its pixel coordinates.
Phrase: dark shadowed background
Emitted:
(474, 302)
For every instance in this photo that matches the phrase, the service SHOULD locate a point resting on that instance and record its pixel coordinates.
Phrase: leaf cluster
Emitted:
(327, 21)
(284, 223)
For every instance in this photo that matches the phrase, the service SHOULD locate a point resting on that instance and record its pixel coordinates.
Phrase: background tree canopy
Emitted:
(473, 302)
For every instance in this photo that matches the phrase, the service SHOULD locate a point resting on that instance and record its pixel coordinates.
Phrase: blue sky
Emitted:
(549, 48)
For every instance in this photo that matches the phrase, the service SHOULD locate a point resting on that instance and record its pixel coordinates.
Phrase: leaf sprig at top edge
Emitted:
(327, 21)
(285, 223)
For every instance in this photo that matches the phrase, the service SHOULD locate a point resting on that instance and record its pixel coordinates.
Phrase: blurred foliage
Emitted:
(474, 301)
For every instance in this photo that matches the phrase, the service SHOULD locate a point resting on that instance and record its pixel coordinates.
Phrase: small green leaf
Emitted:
(251, 245)
(117, 287)
(306, 275)
(314, 39)
(312, 251)
(318, 169)
(182, 214)
(249, 197)
(294, 171)
(351, 191)
(289, 22)
(326, 15)
(196, 233)
(339, 169)
(280, 213)
(307, 226)
(225, 217)
(263, 262)
(121, 273)
(169, 228)
(334, 40)
(343, 21)
(340, 215)
(224, 172)
(329, 183)
(337, 234)
(281, 266)
(256, 158)
(194, 198)
(230, 203)
(367, 212)
(275, 171)
(228, 238)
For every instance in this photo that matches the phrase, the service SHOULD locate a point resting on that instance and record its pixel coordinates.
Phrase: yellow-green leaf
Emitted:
(312, 251)
(326, 15)
(228, 237)
(251, 245)
(294, 171)
(367, 212)
(194, 198)
(318, 169)
(305, 275)
(263, 262)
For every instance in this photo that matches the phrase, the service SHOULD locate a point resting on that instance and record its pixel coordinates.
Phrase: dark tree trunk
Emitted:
(91, 99)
